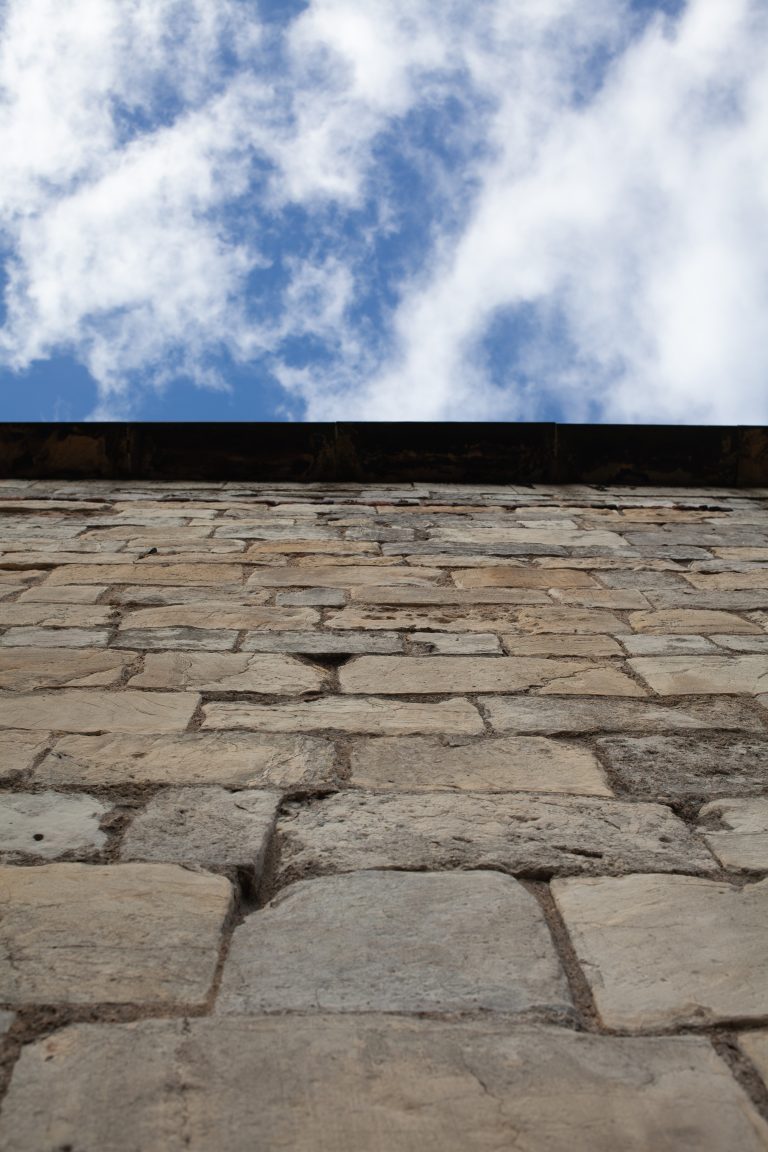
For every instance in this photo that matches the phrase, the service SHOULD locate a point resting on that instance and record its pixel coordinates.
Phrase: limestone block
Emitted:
(469, 596)
(397, 675)
(207, 827)
(729, 581)
(743, 845)
(354, 1083)
(696, 621)
(560, 644)
(585, 714)
(449, 618)
(80, 710)
(560, 537)
(65, 594)
(215, 616)
(683, 767)
(578, 620)
(757, 644)
(159, 595)
(230, 672)
(395, 942)
(457, 643)
(116, 934)
(363, 714)
(324, 643)
(646, 645)
(665, 951)
(520, 834)
(61, 615)
(311, 598)
(19, 750)
(347, 576)
(512, 764)
(507, 576)
(699, 675)
(143, 572)
(23, 669)
(235, 760)
(618, 598)
(176, 639)
(49, 824)
(55, 638)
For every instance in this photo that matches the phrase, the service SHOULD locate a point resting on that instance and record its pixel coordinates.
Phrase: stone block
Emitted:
(507, 576)
(49, 824)
(398, 675)
(369, 1082)
(24, 669)
(230, 672)
(235, 616)
(687, 621)
(520, 834)
(512, 764)
(688, 767)
(55, 638)
(702, 675)
(312, 598)
(146, 573)
(742, 845)
(668, 951)
(324, 643)
(651, 645)
(114, 934)
(19, 750)
(472, 597)
(593, 714)
(457, 643)
(560, 644)
(395, 942)
(176, 639)
(65, 594)
(205, 827)
(348, 576)
(61, 615)
(80, 710)
(364, 714)
(620, 599)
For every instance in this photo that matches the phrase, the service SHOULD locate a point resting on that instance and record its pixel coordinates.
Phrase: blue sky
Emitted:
(384, 209)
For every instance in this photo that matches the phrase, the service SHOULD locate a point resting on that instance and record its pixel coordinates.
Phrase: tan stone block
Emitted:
(593, 682)
(618, 598)
(19, 750)
(514, 764)
(448, 618)
(232, 760)
(557, 537)
(340, 576)
(116, 934)
(332, 547)
(560, 644)
(507, 576)
(594, 714)
(24, 669)
(457, 643)
(468, 596)
(65, 594)
(405, 675)
(697, 621)
(579, 620)
(387, 717)
(47, 825)
(414, 1083)
(717, 581)
(154, 596)
(743, 845)
(55, 638)
(147, 573)
(216, 616)
(343, 561)
(693, 675)
(635, 938)
(609, 563)
(230, 672)
(79, 710)
(749, 555)
(56, 615)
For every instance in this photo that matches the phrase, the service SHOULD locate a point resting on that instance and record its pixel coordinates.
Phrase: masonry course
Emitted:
(409, 809)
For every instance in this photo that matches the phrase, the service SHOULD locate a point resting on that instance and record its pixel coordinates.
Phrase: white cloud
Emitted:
(148, 148)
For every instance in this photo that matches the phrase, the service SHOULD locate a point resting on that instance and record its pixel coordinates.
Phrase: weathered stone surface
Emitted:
(618, 598)
(230, 672)
(433, 596)
(520, 834)
(19, 750)
(697, 621)
(755, 1046)
(396, 675)
(757, 644)
(341, 577)
(324, 643)
(512, 576)
(312, 598)
(559, 644)
(207, 827)
(661, 951)
(592, 714)
(55, 638)
(158, 596)
(728, 581)
(514, 764)
(395, 942)
(78, 710)
(236, 760)
(678, 767)
(698, 675)
(176, 639)
(117, 934)
(145, 572)
(221, 616)
(65, 594)
(48, 824)
(371, 1083)
(386, 717)
(6, 1022)
(743, 846)
(23, 669)
(449, 618)
(669, 645)
(348, 549)
(61, 615)
(457, 643)
(559, 537)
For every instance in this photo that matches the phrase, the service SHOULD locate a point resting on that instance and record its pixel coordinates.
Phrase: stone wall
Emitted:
(342, 819)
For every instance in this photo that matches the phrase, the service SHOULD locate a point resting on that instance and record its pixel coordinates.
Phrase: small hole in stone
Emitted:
(38, 836)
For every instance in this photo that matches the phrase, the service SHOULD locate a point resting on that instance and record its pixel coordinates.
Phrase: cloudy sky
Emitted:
(384, 210)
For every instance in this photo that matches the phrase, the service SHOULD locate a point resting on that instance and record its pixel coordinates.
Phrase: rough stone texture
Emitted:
(398, 675)
(61, 615)
(348, 1084)
(755, 1046)
(505, 576)
(744, 846)
(48, 825)
(24, 669)
(686, 676)
(682, 767)
(346, 576)
(75, 710)
(471, 597)
(669, 645)
(386, 717)
(230, 672)
(116, 934)
(207, 827)
(55, 638)
(19, 750)
(528, 714)
(147, 573)
(554, 644)
(690, 620)
(236, 760)
(324, 643)
(660, 951)
(215, 616)
(184, 639)
(395, 942)
(514, 764)
(520, 834)
(457, 643)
